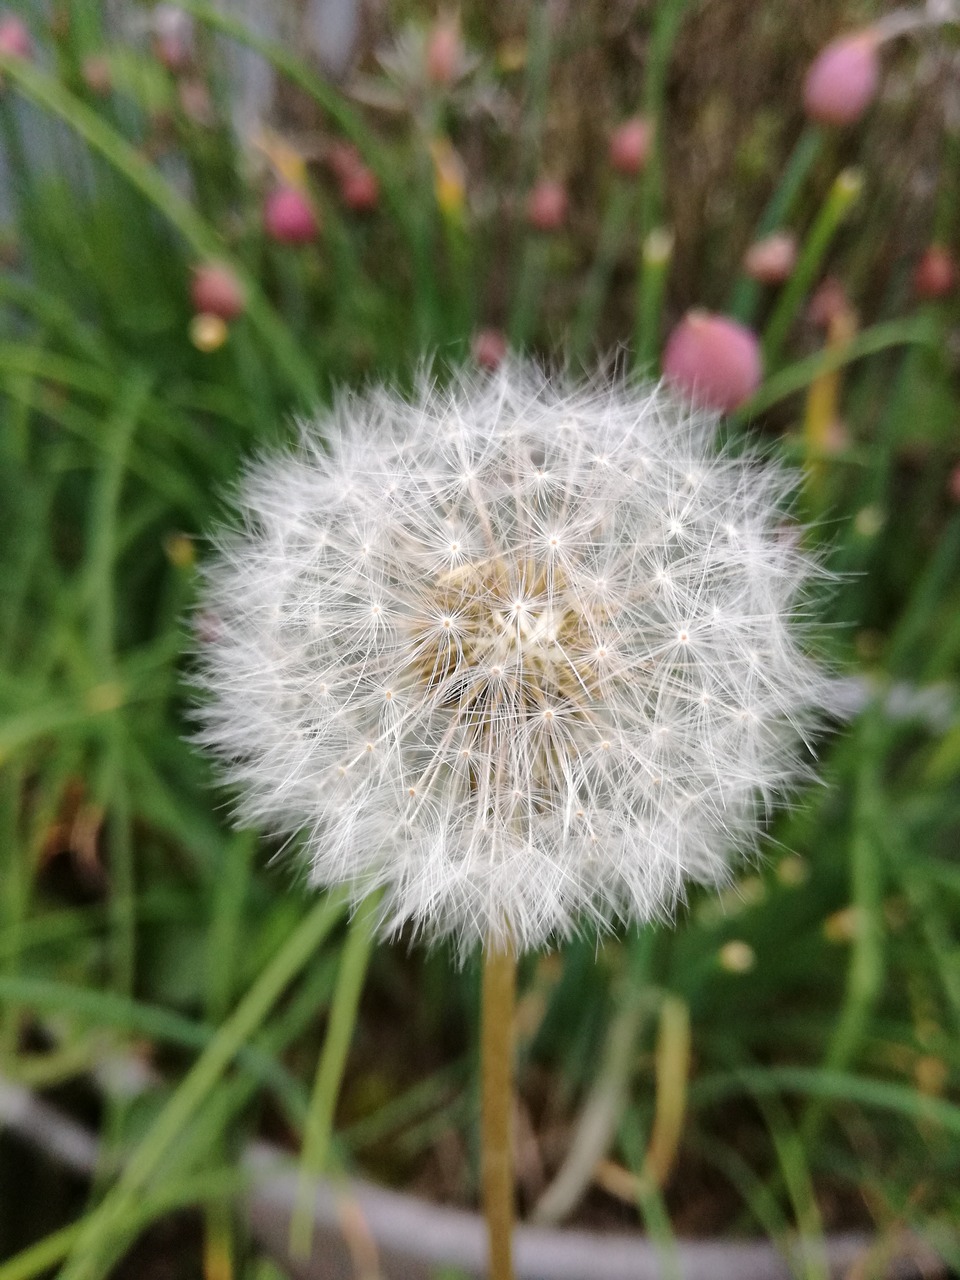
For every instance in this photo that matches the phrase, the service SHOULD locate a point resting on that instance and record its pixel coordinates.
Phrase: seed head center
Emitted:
(507, 639)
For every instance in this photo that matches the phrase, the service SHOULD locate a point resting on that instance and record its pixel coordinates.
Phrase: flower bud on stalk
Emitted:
(215, 290)
(444, 53)
(489, 348)
(547, 205)
(289, 218)
(357, 183)
(842, 80)
(15, 39)
(772, 259)
(935, 275)
(714, 360)
(630, 146)
(96, 75)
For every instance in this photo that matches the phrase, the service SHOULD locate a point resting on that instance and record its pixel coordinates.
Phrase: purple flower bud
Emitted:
(715, 360)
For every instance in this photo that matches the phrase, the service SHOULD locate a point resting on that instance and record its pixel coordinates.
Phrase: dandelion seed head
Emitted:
(524, 655)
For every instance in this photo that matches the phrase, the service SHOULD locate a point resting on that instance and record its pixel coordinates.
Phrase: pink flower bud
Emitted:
(444, 52)
(935, 275)
(489, 346)
(630, 146)
(15, 39)
(547, 205)
(772, 259)
(172, 37)
(97, 75)
(359, 189)
(216, 291)
(842, 79)
(716, 361)
(196, 102)
(953, 485)
(830, 300)
(288, 217)
(342, 158)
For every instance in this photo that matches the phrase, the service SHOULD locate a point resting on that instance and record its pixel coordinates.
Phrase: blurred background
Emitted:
(210, 217)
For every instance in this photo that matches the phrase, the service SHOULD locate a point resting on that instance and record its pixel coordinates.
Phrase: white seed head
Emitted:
(525, 655)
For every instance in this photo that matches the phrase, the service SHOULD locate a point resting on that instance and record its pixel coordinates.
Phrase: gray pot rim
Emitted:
(363, 1230)
(411, 1238)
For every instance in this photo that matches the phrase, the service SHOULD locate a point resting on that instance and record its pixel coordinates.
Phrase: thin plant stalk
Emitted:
(526, 302)
(532, 256)
(333, 1057)
(822, 408)
(612, 231)
(843, 194)
(497, 1037)
(910, 331)
(655, 259)
(746, 294)
(609, 1092)
(653, 184)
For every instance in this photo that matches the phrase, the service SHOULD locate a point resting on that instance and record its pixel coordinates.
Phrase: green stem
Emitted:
(655, 259)
(329, 1078)
(844, 192)
(914, 330)
(746, 294)
(654, 248)
(526, 300)
(14, 889)
(612, 230)
(865, 971)
(531, 254)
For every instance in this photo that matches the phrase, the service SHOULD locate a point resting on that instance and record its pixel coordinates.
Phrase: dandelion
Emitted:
(524, 656)
(520, 656)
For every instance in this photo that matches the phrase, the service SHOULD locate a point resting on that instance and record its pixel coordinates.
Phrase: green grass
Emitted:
(135, 924)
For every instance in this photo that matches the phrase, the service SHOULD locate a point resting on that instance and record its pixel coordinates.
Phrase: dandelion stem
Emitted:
(499, 993)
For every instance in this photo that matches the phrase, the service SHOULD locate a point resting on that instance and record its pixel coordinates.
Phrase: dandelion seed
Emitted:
(521, 694)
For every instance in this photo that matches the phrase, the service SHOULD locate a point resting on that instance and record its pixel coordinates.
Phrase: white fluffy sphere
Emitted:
(522, 654)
